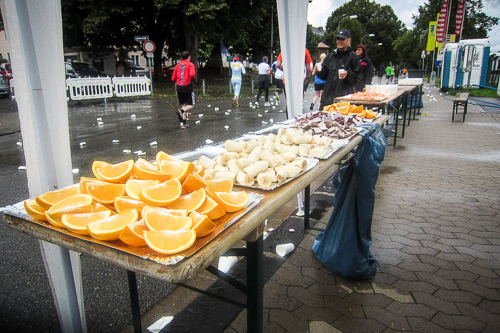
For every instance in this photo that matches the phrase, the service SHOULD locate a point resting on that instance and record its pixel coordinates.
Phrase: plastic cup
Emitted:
(283, 249)
(319, 66)
(225, 263)
(341, 71)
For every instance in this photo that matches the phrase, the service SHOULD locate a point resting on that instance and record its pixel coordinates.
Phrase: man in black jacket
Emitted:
(340, 70)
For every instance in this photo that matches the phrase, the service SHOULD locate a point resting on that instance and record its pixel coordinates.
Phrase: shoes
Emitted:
(267, 104)
(232, 103)
(311, 107)
(237, 105)
(188, 114)
(179, 114)
(256, 105)
(184, 126)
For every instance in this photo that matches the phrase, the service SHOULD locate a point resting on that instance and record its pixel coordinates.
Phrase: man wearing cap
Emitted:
(340, 69)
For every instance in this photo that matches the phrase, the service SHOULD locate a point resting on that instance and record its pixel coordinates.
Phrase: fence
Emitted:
(125, 86)
(89, 88)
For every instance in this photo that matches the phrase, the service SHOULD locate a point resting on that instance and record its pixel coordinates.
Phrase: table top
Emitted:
(374, 103)
(189, 267)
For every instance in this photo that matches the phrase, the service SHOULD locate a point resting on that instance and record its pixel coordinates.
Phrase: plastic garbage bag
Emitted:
(344, 246)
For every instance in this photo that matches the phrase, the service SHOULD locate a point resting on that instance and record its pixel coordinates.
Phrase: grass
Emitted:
(481, 92)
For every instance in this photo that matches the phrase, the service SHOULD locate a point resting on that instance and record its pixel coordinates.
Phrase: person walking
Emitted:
(380, 73)
(366, 68)
(396, 75)
(388, 74)
(263, 83)
(238, 69)
(319, 84)
(183, 76)
(340, 69)
(278, 80)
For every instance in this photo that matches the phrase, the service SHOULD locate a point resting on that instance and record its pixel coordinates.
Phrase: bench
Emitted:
(461, 99)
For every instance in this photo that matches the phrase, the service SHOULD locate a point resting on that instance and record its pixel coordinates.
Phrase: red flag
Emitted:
(442, 22)
(460, 17)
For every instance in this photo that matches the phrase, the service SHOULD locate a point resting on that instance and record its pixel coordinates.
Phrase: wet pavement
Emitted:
(436, 232)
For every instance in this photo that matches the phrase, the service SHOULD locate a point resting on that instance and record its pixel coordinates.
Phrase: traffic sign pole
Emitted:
(149, 47)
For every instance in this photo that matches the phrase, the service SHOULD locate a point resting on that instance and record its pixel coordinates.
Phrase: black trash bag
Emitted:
(344, 246)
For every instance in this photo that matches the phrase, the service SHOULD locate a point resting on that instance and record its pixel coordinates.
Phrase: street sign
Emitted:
(149, 46)
(150, 55)
(423, 55)
(141, 38)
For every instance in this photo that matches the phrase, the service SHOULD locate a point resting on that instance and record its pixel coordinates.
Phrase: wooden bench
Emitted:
(461, 99)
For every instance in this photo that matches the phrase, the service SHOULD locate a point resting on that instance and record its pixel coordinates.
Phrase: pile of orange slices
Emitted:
(164, 206)
(347, 108)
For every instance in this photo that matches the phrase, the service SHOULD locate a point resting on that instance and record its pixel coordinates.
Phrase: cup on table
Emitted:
(283, 249)
(341, 71)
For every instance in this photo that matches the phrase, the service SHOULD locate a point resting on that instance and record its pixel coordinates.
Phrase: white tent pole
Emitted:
(34, 30)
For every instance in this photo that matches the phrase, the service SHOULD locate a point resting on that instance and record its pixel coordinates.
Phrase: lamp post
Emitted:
(371, 35)
(352, 16)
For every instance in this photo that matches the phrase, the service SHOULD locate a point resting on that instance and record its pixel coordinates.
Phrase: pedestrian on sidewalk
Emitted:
(389, 72)
(183, 76)
(319, 84)
(263, 83)
(380, 73)
(366, 67)
(237, 68)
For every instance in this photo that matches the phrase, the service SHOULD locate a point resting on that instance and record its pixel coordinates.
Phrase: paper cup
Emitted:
(283, 249)
(341, 71)
(225, 263)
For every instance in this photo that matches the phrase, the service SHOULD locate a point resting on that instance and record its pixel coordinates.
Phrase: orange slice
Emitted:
(109, 229)
(84, 180)
(158, 220)
(35, 210)
(145, 170)
(80, 203)
(201, 224)
(192, 183)
(134, 186)
(98, 207)
(78, 222)
(175, 212)
(98, 164)
(190, 201)
(104, 193)
(177, 169)
(199, 169)
(356, 109)
(161, 194)
(219, 185)
(124, 203)
(207, 177)
(211, 208)
(169, 242)
(162, 156)
(133, 233)
(115, 173)
(231, 202)
(343, 109)
(49, 199)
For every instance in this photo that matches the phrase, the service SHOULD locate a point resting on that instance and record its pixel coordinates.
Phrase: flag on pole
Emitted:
(431, 36)
(442, 21)
(460, 17)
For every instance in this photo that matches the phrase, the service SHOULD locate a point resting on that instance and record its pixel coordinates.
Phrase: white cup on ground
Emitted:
(283, 249)
(225, 263)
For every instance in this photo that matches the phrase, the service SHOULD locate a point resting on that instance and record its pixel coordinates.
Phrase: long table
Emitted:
(249, 228)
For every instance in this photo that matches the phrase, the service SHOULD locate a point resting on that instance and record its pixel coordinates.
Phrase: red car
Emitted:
(6, 70)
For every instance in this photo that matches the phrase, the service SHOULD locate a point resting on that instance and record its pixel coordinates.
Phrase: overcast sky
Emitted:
(319, 11)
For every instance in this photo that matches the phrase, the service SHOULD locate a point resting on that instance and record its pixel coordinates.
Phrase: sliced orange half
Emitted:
(80, 203)
(133, 233)
(190, 201)
(35, 210)
(169, 242)
(162, 156)
(145, 170)
(49, 199)
(156, 220)
(109, 229)
(83, 180)
(219, 185)
(104, 193)
(78, 222)
(231, 202)
(192, 183)
(177, 169)
(162, 194)
(201, 224)
(115, 173)
(124, 203)
(211, 208)
(98, 164)
(175, 212)
(134, 186)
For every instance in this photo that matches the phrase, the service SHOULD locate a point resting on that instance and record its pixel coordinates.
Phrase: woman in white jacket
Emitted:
(238, 69)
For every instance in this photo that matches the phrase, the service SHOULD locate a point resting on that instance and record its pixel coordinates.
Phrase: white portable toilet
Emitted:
(473, 56)
(449, 66)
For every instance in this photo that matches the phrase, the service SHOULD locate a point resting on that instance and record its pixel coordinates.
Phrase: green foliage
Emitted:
(481, 92)
(406, 50)
(312, 41)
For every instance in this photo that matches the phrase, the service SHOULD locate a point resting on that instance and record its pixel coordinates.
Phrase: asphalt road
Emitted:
(26, 303)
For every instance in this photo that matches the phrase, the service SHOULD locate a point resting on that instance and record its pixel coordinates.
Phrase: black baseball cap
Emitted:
(344, 33)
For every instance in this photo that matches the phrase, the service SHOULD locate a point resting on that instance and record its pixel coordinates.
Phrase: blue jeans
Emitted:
(236, 82)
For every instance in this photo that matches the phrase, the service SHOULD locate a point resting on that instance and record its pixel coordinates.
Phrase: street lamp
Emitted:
(371, 35)
(352, 16)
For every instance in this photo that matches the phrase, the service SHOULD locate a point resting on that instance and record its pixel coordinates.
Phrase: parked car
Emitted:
(4, 86)
(141, 71)
(70, 72)
(6, 70)
(83, 69)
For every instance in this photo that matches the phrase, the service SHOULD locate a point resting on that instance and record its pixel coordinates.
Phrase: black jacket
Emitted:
(366, 67)
(335, 87)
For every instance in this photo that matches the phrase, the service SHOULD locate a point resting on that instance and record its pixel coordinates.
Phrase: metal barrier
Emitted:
(125, 86)
(89, 88)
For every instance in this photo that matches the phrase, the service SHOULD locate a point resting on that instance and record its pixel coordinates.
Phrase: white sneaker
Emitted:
(267, 104)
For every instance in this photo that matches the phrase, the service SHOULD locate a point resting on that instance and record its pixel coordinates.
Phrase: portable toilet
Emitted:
(449, 65)
(473, 57)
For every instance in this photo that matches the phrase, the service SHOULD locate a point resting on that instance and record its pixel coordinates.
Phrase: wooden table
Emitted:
(249, 228)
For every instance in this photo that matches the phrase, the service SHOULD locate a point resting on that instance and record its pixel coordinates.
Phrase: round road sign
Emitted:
(149, 46)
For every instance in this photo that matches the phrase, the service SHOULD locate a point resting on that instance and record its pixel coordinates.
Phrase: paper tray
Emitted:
(145, 252)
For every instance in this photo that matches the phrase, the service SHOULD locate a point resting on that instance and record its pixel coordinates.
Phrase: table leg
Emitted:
(255, 285)
(307, 206)
(403, 107)
(134, 301)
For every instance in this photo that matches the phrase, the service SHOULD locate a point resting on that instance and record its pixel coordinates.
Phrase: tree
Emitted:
(312, 41)
(408, 54)
(371, 18)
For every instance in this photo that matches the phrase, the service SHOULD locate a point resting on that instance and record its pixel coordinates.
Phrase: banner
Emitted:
(431, 36)
(460, 17)
(442, 21)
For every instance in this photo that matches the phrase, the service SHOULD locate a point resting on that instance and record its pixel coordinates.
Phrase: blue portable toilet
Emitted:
(449, 65)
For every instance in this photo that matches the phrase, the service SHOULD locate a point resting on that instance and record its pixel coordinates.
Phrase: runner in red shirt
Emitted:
(183, 76)
(307, 68)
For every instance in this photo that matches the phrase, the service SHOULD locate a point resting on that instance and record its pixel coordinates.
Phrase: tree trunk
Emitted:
(191, 45)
